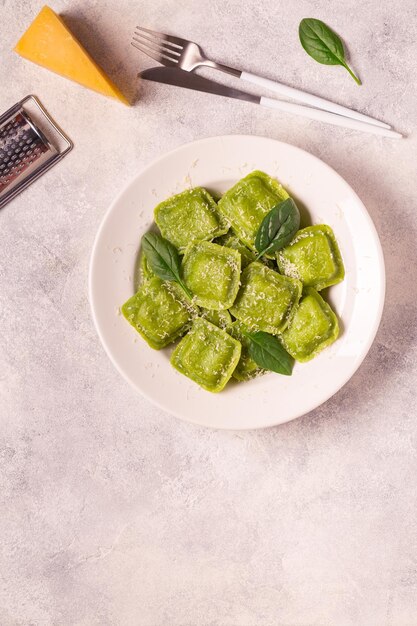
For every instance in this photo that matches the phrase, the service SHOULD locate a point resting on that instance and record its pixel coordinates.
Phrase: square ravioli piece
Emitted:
(189, 216)
(212, 273)
(266, 300)
(313, 257)
(245, 205)
(207, 355)
(313, 327)
(157, 313)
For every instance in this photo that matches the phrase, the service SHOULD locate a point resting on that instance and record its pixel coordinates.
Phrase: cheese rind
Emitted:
(49, 42)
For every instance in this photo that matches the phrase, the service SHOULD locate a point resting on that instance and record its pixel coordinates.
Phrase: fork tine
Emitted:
(174, 40)
(163, 52)
(159, 40)
(157, 56)
(155, 44)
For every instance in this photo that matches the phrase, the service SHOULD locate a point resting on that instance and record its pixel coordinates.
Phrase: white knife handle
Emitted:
(325, 116)
(308, 98)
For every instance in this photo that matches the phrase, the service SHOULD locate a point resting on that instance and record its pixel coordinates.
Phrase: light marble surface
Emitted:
(113, 513)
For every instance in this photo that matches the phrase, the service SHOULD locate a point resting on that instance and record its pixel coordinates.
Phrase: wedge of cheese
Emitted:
(48, 42)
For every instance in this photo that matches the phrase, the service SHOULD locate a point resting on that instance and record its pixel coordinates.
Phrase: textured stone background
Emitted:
(113, 513)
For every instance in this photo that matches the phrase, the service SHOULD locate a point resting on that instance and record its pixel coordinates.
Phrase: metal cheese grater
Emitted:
(30, 143)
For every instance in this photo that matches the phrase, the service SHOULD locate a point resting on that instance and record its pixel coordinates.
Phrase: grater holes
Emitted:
(20, 149)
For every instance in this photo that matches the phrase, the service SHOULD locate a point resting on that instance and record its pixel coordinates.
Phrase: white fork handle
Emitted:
(308, 98)
(325, 116)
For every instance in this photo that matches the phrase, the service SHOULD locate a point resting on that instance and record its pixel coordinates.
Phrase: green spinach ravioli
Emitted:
(313, 256)
(212, 273)
(190, 216)
(206, 288)
(266, 300)
(157, 313)
(208, 355)
(246, 204)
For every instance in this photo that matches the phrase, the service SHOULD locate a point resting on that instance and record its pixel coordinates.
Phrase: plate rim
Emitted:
(170, 153)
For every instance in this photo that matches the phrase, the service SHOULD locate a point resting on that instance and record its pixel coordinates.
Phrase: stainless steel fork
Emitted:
(175, 52)
(187, 55)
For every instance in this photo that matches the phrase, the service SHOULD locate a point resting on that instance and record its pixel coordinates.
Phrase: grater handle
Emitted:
(54, 125)
(59, 154)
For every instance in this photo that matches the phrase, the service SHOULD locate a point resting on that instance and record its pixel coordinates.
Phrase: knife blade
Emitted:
(189, 80)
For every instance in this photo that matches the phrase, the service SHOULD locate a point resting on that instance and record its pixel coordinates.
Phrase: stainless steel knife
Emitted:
(191, 80)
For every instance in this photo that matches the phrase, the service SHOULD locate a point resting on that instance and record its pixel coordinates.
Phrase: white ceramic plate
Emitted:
(217, 163)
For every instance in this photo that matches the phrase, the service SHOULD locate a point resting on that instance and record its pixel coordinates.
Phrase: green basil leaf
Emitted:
(323, 44)
(267, 351)
(163, 259)
(278, 227)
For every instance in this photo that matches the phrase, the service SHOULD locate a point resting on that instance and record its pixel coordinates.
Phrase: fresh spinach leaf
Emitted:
(163, 259)
(277, 228)
(267, 351)
(323, 45)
